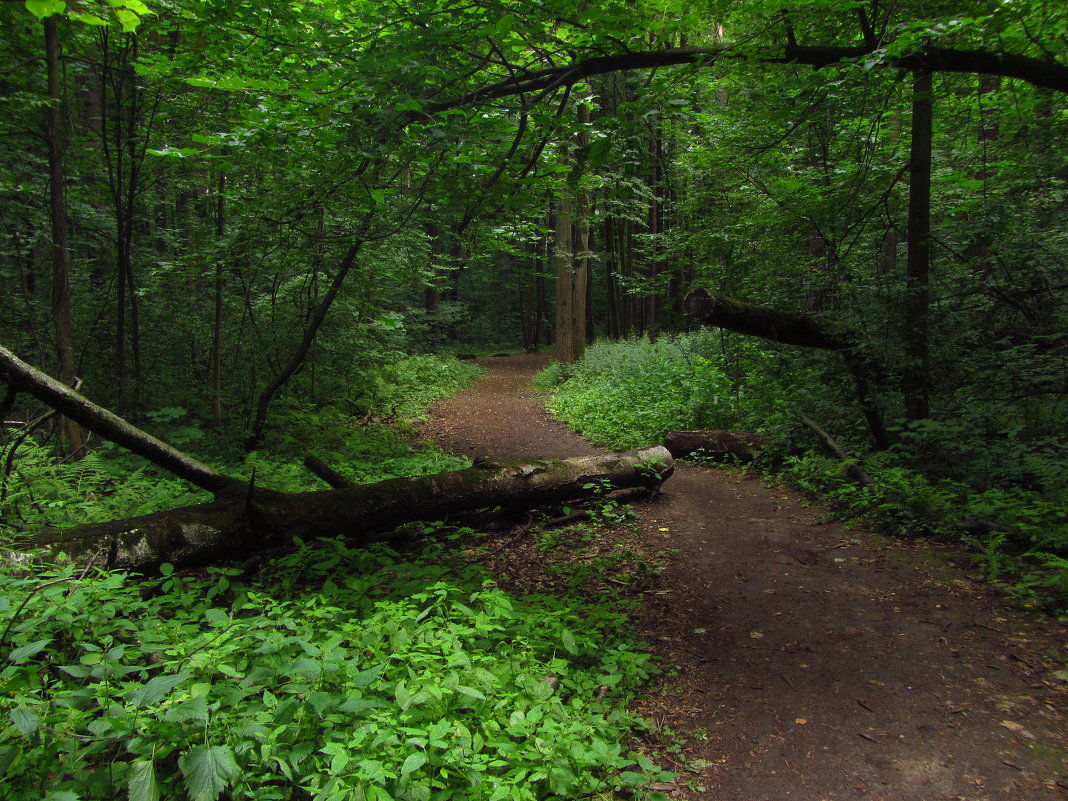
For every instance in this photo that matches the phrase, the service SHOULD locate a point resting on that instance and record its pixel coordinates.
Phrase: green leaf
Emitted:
(568, 640)
(26, 651)
(128, 20)
(45, 8)
(599, 152)
(143, 784)
(155, 689)
(207, 771)
(89, 19)
(137, 6)
(404, 698)
(25, 720)
(62, 795)
(470, 692)
(413, 762)
(505, 24)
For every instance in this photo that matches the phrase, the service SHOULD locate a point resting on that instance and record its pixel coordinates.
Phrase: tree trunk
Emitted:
(315, 322)
(21, 376)
(581, 312)
(239, 527)
(719, 446)
(796, 328)
(790, 328)
(915, 374)
(217, 315)
(563, 258)
(61, 303)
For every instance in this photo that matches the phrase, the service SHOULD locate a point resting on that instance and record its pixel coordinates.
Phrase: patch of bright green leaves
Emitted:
(629, 394)
(338, 674)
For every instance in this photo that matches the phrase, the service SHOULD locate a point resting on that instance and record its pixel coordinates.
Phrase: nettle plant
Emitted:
(336, 674)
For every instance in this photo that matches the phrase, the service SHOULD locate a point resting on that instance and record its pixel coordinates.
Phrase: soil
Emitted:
(814, 662)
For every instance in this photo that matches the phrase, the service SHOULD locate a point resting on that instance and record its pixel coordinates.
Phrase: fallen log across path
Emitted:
(233, 528)
(244, 519)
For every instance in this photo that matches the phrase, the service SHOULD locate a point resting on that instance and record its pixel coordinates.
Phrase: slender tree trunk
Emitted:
(217, 317)
(61, 300)
(315, 322)
(915, 380)
(581, 263)
(891, 239)
(565, 291)
(611, 262)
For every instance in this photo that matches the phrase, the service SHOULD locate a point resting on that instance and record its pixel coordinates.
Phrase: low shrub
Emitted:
(337, 674)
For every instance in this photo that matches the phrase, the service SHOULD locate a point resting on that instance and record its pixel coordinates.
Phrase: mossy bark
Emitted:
(233, 528)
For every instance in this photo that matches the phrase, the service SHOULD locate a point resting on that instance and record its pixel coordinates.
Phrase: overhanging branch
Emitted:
(1039, 72)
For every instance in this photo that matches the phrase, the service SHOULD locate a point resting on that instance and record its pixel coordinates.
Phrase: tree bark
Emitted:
(850, 465)
(238, 527)
(790, 328)
(719, 446)
(563, 258)
(915, 374)
(218, 285)
(796, 328)
(61, 303)
(24, 378)
(1039, 72)
(297, 359)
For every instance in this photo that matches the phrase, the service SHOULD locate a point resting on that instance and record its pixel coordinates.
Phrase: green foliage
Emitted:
(110, 483)
(404, 386)
(629, 394)
(337, 674)
(1018, 534)
(43, 491)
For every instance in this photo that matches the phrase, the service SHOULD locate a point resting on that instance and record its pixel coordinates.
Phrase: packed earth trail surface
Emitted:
(815, 662)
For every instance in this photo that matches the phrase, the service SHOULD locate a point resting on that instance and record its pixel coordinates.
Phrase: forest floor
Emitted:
(814, 662)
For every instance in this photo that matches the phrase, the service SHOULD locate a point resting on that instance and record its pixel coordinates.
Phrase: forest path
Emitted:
(822, 663)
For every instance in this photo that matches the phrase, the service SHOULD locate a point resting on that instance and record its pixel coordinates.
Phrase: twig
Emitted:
(852, 466)
(512, 541)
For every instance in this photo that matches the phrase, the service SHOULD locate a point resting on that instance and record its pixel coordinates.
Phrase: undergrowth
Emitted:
(43, 491)
(337, 674)
(334, 675)
(976, 477)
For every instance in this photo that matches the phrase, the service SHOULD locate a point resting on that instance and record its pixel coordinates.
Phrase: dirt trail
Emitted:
(821, 663)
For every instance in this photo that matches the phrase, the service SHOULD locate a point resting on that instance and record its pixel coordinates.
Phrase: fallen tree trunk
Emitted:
(850, 465)
(20, 376)
(234, 528)
(719, 446)
(797, 328)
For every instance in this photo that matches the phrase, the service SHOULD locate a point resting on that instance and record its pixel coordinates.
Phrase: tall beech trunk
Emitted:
(915, 374)
(61, 301)
(804, 330)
